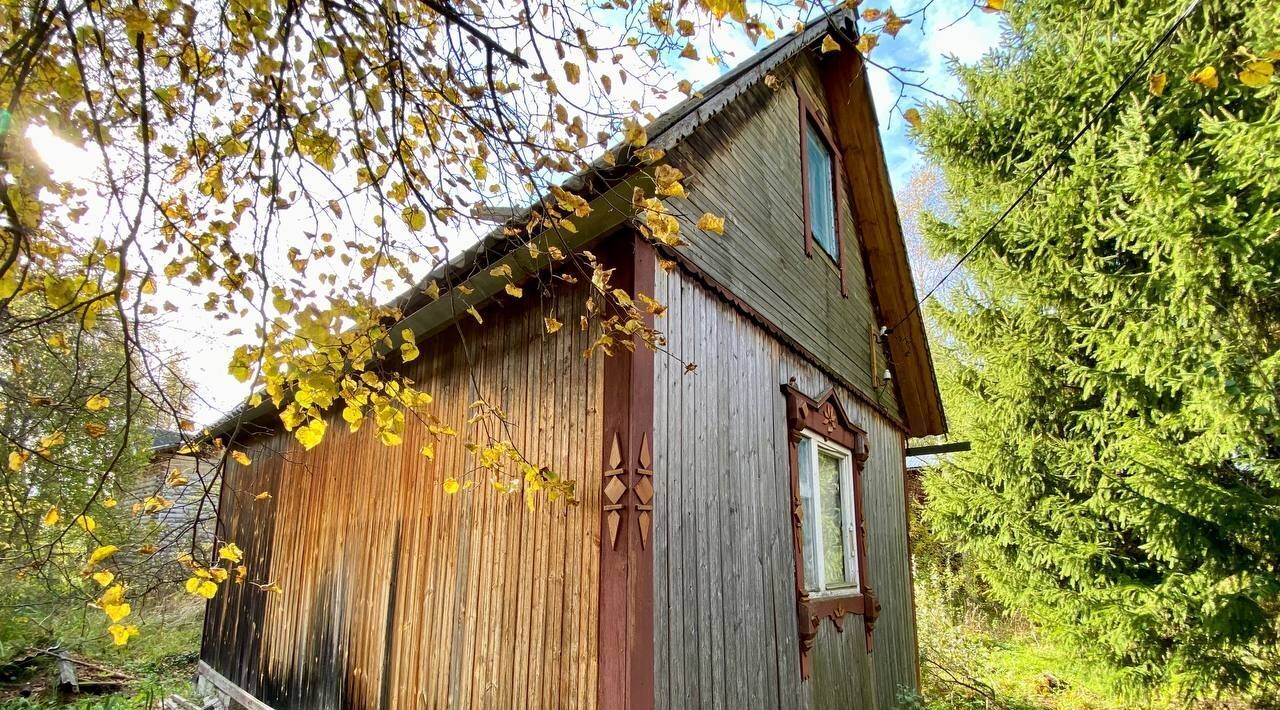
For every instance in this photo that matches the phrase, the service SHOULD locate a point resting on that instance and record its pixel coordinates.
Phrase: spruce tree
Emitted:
(1111, 348)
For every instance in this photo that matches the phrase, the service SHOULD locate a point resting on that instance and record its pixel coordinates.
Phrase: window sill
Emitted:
(836, 609)
(835, 605)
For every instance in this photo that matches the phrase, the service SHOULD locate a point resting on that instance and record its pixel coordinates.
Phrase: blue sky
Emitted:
(950, 28)
(923, 49)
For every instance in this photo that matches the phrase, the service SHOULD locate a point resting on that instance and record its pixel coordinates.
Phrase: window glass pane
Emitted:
(822, 214)
(808, 508)
(832, 519)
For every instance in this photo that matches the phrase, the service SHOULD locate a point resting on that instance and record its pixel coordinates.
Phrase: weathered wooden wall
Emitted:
(745, 164)
(723, 559)
(398, 595)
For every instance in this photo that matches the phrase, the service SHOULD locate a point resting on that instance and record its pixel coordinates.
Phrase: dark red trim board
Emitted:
(626, 524)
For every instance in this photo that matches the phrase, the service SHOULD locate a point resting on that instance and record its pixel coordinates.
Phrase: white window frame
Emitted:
(848, 514)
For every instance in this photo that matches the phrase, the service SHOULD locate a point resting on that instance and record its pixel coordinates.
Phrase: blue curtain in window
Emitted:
(822, 212)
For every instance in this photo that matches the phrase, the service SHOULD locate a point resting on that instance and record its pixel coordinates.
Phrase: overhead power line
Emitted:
(1106, 108)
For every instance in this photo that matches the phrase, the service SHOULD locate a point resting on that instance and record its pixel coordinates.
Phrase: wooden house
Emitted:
(740, 538)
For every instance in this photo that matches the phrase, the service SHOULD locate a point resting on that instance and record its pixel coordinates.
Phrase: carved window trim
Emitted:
(826, 417)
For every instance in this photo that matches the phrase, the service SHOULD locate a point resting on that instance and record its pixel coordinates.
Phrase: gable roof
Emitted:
(923, 413)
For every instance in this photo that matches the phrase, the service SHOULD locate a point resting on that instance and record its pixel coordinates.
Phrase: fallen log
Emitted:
(67, 680)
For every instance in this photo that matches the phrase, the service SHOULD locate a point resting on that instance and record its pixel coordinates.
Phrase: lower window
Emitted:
(829, 528)
(827, 452)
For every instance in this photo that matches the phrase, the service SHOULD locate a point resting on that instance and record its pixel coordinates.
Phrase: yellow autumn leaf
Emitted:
(894, 24)
(112, 596)
(501, 271)
(390, 437)
(104, 577)
(634, 133)
(711, 223)
(829, 44)
(310, 435)
(409, 351)
(97, 403)
(218, 574)
(572, 72)
(475, 314)
(513, 290)
(241, 458)
(110, 503)
(451, 485)
(263, 496)
(667, 179)
(1157, 83)
(428, 450)
(17, 459)
(689, 52)
(552, 324)
(102, 553)
(116, 612)
(1205, 76)
(52, 517)
(230, 552)
(120, 635)
(48, 441)
(1257, 74)
(155, 504)
(273, 588)
(913, 117)
(202, 587)
(86, 523)
(994, 6)
(868, 42)
(137, 21)
(95, 430)
(415, 218)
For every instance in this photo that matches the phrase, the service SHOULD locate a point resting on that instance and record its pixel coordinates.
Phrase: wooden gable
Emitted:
(747, 163)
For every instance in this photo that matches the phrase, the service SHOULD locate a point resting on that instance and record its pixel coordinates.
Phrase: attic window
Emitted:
(821, 192)
(821, 181)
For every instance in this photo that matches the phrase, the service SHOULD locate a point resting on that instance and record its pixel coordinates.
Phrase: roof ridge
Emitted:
(665, 130)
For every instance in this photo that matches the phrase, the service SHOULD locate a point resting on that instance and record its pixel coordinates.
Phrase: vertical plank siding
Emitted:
(726, 635)
(399, 595)
(745, 163)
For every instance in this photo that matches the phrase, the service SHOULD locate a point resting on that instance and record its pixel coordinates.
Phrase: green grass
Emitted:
(162, 657)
